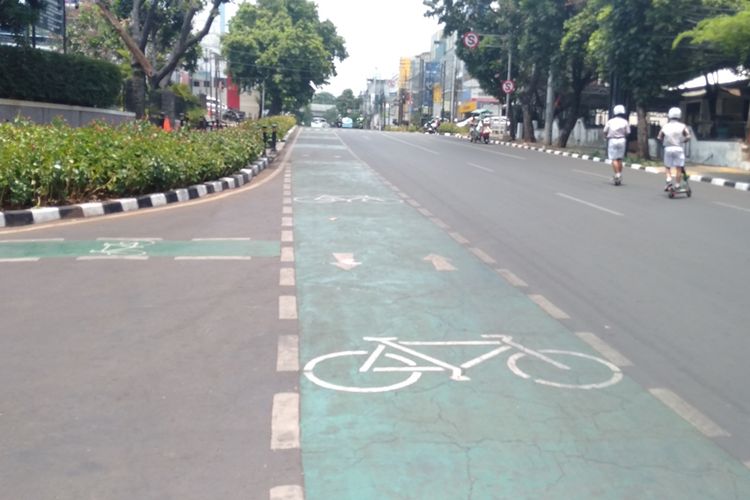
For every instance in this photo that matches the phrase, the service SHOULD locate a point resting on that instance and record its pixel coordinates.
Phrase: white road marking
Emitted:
(287, 221)
(410, 144)
(287, 307)
(113, 257)
(345, 261)
(609, 352)
(425, 212)
(747, 464)
(285, 421)
(288, 491)
(511, 278)
(413, 203)
(287, 357)
(213, 257)
(440, 263)
(287, 236)
(20, 259)
(288, 201)
(592, 173)
(128, 239)
(727, 205)
(439, 223)
(688, 412)
(481, 167)
(287, 254)
(287, 210)
(549, 307)
(459, 239)
(287, 276)
(221, 239)
(563, 195)
(33, 240)
(482, 256)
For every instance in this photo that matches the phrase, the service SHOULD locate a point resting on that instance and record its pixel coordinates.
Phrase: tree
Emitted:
(348, 105)
(283, 46)
(324, 98)
(91, 35)
(17, 15)
(159, 36)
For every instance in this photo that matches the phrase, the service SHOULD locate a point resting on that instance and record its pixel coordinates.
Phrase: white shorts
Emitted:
(616, 148)
(674, 156)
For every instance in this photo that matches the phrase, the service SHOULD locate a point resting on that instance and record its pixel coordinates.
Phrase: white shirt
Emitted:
(674, 134)
(617, 128)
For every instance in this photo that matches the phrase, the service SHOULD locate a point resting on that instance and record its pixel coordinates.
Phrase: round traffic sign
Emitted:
(509, 86)
(471, 40)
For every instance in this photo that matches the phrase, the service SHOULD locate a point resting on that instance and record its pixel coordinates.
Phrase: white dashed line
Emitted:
(481, 167)
(413, 203)
(287, 201)
(20, 259)
(287, 236)
(459, 239)
(221, 239)
(688, 412)
(592, 205)
(747, 464)
(425, 212)
(285, 421)
(37, 240)
(511, 278)
(592, 173)
(610, 353)
(287, 210)
(287, 277)
(727, 205)
(128, 239)
(549, 307)
(287, 492)
(482, 256)
(113, 257)
(287, 357)
(287, 254)
(287, 221)
(439, 223)
(214, 257)
(287, 307)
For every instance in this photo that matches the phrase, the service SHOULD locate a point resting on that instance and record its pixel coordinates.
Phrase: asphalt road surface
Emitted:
(385, 315)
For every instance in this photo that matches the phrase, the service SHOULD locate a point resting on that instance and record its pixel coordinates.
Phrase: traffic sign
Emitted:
(471, 40)
(509, 86)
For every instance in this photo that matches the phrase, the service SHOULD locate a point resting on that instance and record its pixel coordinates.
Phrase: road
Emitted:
(155, 354)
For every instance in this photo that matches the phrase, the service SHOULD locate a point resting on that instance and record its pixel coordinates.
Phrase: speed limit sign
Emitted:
(509, 86)
(471, 40)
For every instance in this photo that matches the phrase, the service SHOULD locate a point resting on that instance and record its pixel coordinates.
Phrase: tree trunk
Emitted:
(528, 125)
(642, 133)
(276, 104)
(139, 91)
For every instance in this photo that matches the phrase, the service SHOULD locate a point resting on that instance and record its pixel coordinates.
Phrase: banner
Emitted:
(431, 80)
(404, 72)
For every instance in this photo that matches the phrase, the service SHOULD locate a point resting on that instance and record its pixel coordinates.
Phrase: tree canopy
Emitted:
(17, 15)
(283, 46)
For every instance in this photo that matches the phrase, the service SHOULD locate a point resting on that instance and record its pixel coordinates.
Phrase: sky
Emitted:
(377, 34)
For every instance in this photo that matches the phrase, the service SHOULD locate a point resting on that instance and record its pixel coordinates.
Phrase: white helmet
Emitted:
(619, 110)
(674, 113)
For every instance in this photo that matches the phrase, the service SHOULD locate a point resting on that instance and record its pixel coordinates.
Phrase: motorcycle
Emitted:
(480, 133)
(431, 127)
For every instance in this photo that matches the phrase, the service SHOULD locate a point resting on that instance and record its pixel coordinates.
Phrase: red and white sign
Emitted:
(471, 40)
(509, 86)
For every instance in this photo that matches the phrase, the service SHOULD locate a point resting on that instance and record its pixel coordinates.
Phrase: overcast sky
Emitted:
(377, 33)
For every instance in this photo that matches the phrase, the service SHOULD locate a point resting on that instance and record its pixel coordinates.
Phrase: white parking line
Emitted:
(727, 205)
(549, 307)
(592, 205)
(285, 421)
(511, 278)
(688, 412)
(287, 357)
(288, 491)
(287, 307)
(481, 167)
(610, 353)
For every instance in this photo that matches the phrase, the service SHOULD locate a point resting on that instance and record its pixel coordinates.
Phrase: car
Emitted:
(347, 122)
(318, 122)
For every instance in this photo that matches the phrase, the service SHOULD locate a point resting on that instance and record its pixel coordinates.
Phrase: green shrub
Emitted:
(45, 165)
(449, 128)
(40, 75)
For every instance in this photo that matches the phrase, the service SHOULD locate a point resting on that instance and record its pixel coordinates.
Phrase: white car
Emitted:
(319, 123)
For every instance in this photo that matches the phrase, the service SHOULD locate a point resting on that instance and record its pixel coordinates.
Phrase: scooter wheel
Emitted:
(689, 193)
(671, 194)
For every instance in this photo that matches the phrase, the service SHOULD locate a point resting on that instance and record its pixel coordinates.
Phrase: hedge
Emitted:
(39, 75)
(48, 165)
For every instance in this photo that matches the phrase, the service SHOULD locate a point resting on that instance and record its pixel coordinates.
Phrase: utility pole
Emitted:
(549, 110)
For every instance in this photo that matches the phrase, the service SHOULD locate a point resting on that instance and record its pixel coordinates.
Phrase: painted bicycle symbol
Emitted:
(414, 363)
(359, 198)
(124, 248)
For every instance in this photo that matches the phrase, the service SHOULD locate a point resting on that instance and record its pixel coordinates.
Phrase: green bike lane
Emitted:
(496, 435)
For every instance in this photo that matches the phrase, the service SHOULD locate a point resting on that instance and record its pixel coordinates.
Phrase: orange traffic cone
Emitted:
(167, 125)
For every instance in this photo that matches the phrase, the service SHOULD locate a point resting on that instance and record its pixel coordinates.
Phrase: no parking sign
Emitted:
(509, 86)
(471, 40)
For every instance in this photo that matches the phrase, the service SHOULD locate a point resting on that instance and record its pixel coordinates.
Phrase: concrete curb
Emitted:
(716, 181)
(14, 218)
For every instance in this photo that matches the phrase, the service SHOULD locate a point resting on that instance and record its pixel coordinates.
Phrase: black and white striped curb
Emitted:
(716, 181)
(12, 218)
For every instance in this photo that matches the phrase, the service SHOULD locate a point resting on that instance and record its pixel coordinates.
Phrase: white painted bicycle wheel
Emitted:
(310, 367)
(615, 378)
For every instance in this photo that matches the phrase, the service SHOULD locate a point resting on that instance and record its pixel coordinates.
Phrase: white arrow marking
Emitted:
(440, 262)
(345, 261)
